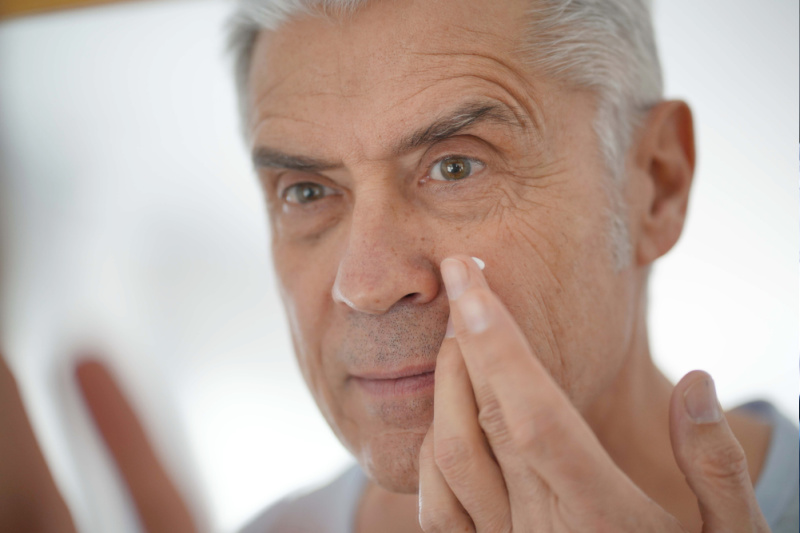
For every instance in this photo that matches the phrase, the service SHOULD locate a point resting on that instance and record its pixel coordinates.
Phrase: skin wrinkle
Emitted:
(526, 91)
(524, 121)
(557, 365)
(562, 370)
(274, 116)
(514, 206)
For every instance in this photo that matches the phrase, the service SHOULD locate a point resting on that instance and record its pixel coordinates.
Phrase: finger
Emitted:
(29, 498)
(521, 402)
(711, 458)
(439, 509)
(160, 506)
(460, 449)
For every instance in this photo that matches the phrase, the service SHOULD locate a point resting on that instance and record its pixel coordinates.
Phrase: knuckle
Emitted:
(725, 462)
(491, 419)
(452, 455)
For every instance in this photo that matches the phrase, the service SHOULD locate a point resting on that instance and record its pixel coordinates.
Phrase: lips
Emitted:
(399, 382)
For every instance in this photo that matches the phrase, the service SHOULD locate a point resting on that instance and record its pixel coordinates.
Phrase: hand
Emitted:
(507, 451)
(29, 499)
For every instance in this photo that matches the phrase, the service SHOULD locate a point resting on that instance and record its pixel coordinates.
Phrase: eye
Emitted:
(454, 168)
(305, 193)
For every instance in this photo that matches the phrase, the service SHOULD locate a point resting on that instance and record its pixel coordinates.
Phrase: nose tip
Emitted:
(377, 290)
(355, 302)
(369, 301)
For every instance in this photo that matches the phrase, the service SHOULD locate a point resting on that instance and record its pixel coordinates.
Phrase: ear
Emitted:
(664, 161)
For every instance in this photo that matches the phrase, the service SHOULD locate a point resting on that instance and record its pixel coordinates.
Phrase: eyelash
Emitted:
(476, 166)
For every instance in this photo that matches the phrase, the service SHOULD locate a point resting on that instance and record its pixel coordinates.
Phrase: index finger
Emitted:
(158, 502)
(544, 427)
(460, 449)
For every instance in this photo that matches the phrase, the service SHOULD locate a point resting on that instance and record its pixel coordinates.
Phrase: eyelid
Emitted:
(287, 178)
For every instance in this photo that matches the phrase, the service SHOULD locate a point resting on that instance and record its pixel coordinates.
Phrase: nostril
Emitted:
(411, 296)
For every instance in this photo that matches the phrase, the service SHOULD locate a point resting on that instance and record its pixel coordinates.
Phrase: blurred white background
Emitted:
(136, 231)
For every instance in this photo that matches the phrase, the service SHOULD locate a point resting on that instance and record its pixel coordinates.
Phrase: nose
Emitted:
(387, 258)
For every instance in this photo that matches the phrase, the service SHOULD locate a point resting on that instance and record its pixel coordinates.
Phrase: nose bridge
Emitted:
(383, 261)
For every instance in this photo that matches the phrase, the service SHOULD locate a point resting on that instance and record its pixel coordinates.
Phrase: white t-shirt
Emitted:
(332, 508)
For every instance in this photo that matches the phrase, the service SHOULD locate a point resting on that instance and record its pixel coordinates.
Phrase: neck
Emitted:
(631, 421)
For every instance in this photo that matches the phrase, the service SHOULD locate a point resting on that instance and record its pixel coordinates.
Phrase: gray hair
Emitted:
(606, 46)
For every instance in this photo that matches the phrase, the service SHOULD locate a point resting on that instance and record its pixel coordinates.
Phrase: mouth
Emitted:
(409, 381)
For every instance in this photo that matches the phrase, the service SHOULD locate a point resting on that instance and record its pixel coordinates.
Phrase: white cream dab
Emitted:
(479, 262)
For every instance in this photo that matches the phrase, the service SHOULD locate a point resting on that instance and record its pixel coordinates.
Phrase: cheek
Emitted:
(305, 301)
(565, 294)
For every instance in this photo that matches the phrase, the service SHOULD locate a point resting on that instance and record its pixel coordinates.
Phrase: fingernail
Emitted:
(701, 402)
(476, 316)
(479, 262)
(455, 276)
(450, 332)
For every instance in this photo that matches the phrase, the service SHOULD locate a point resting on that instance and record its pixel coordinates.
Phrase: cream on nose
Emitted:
(359, 299)
(479, 262)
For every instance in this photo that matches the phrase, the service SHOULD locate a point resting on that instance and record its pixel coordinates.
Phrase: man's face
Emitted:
(408, 133)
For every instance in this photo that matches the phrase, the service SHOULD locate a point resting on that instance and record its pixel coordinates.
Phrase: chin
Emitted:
(392, 461)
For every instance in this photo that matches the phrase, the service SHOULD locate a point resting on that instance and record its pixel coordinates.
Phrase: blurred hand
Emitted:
(29, 499)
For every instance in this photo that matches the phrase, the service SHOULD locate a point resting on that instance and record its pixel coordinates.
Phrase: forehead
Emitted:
(384, 64)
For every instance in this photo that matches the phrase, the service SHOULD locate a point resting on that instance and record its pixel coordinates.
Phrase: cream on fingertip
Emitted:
(479, 262)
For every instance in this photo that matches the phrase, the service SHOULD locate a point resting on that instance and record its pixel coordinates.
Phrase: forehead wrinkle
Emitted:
(525, 86)
(527, 121)
(263, 114)
(521, 119)
(278, 116)
(490, 37)
(520, 102)
(263, 123)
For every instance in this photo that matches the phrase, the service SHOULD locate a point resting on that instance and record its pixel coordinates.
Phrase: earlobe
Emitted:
(664, 160)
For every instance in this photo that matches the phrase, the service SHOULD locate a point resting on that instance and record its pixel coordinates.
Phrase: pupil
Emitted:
(303, 193)
(456, 169)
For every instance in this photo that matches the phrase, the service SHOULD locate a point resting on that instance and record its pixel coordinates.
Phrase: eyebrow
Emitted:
(265, 157)
(443, 128)
(453, 123)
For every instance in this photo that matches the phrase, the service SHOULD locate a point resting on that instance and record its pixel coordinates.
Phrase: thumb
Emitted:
(712, 459)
